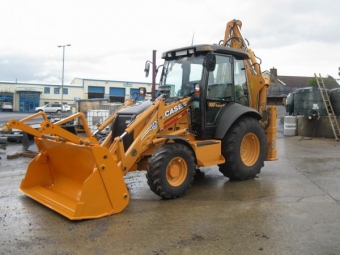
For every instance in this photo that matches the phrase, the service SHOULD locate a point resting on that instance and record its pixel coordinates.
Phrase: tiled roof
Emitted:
(300, 81)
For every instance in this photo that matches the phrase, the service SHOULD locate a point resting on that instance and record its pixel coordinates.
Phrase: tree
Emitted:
(312, 82)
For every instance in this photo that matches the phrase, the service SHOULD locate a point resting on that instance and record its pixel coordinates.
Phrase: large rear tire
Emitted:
(244, 148)
(171, 170)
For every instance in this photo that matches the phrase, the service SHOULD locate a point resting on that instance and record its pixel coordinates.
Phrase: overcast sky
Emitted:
(111, 39)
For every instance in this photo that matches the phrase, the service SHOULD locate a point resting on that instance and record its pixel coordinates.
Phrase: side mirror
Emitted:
(147, 69)
(210, 62)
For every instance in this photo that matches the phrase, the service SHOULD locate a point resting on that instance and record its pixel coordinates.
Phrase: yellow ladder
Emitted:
(328, 106)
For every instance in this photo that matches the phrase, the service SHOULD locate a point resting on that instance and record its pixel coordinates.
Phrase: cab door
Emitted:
(219, 89)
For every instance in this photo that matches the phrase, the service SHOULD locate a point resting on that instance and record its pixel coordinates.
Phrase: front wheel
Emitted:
(171, 170)
(244, 148)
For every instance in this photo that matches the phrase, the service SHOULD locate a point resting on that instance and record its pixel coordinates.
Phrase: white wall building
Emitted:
(26, 96)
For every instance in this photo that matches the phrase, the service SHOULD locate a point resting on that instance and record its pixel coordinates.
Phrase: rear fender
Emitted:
(230, 114)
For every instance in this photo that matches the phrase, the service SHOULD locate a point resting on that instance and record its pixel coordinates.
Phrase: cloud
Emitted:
(18, 68)
(113, 40)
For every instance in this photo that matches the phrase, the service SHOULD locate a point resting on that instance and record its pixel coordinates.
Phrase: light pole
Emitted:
(62, 77)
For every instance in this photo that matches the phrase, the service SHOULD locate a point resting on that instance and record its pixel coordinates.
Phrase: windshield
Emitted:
(182, 74)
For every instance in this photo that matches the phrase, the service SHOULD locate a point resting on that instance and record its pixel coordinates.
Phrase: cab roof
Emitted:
(204, 48)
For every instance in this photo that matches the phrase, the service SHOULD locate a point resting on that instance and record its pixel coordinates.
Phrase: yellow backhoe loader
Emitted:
(210, 110)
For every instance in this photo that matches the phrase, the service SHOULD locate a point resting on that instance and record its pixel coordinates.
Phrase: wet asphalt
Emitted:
(292, 208)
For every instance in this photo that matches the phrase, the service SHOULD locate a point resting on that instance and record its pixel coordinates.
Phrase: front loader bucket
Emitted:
(79, 182)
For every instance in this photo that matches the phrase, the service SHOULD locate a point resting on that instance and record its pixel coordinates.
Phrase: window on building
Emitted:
(45, 103)
(65, 91)
(47, 90)
(96, 92)
(117, 94)
(56, 90)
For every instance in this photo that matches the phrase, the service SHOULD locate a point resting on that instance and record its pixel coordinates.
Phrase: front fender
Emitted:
(230, 113)
(181, 140)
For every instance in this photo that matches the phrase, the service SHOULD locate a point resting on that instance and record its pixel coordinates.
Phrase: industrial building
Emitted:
(26, 96)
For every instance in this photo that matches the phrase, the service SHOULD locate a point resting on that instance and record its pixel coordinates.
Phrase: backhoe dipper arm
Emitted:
(257, 85)
(233, 38)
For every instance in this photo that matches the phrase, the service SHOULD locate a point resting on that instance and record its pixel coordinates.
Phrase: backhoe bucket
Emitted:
(79, 182)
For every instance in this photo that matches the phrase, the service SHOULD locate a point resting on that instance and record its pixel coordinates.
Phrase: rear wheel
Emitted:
(171, 170)
(244, 148)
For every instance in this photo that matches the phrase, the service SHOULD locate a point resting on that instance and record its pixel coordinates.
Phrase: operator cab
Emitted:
(213, 76)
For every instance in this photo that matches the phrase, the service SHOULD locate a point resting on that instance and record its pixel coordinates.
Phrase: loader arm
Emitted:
(54, 131)
(154, 124)
(21, 124)
(111, 118)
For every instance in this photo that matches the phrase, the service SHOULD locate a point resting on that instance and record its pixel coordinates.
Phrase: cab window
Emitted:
(221, 79)
(241, 89)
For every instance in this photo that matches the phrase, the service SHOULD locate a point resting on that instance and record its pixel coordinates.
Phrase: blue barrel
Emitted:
(307, 99)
